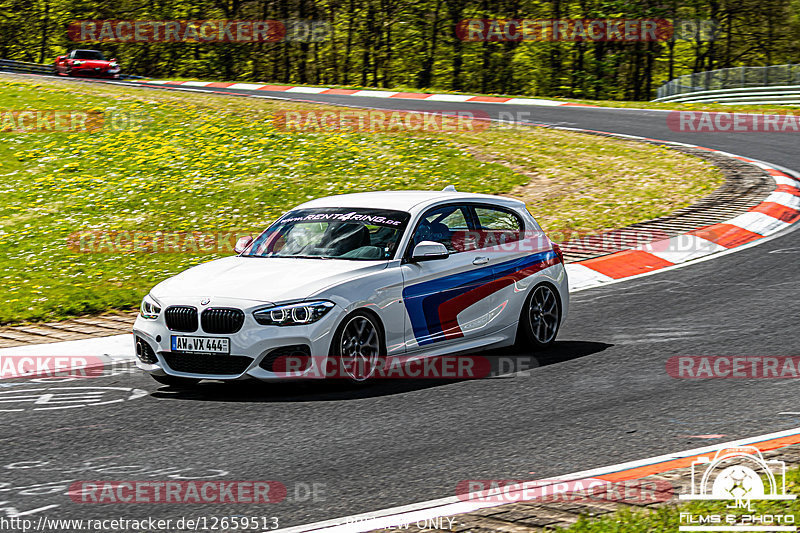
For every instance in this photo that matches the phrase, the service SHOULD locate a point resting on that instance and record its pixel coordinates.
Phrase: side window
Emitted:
(498, 226)
(441, 224)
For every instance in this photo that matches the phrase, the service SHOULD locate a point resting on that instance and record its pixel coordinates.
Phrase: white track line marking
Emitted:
(247, 86)
(682, 248)
(784, 198)
(375, 94)
(448, 98)
(758, 223)
(309, 90)
(581, 276)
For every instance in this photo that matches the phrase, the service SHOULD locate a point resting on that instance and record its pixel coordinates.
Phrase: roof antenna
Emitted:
(449, 188)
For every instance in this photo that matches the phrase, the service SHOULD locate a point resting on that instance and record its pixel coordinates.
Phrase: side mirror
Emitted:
(242, 244)
(428, 251)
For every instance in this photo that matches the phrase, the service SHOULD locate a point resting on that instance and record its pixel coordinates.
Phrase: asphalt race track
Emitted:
(601, 396)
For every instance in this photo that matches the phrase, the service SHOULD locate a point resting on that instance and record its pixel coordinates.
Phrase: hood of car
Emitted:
(261, 279)
(92, 63)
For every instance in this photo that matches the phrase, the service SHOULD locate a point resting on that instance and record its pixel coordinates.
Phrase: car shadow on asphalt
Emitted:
(503, 363)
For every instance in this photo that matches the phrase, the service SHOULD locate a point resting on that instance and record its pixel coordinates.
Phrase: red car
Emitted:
(89, 63)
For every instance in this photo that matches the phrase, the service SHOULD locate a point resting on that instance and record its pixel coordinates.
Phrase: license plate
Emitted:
(201, 344)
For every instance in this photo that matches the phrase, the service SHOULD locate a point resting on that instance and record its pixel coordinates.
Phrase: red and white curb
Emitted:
(368, 93)
(778, 210)
(401, 517)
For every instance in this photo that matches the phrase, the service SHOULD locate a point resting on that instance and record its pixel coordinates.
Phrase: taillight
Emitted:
(559, 253)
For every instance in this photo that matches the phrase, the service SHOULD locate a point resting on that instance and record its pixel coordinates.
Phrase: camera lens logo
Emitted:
(737, 476)
(739, 473)
(738, 482)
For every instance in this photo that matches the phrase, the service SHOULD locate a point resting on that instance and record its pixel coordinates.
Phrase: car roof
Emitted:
(406, 200)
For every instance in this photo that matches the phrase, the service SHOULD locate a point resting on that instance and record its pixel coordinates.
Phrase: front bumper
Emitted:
(92, 73)
(253, 349)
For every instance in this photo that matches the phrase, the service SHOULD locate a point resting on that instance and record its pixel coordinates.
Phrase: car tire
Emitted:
(540, 318)
(175, 381)
(359, 347)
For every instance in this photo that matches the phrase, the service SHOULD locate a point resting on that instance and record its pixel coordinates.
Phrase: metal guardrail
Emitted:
(23, 66)
(783, 95)
(731, 78)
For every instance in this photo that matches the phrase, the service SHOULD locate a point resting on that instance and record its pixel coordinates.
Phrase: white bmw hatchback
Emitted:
(359, 280)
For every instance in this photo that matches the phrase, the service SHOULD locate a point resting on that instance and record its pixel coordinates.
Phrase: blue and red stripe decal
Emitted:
(433, 306)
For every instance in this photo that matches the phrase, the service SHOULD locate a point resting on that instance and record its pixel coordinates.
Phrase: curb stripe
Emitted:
(412, 96)
(274, 88)
(775, 212)
(788, 189)
(684, 462)
(339, 91)
(626, 263)
(779, 211)
(489, 99)
(726, 235)
(371, 93)
(682, 248)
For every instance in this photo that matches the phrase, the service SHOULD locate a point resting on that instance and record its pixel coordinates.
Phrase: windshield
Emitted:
(333, 233)
(89, 54)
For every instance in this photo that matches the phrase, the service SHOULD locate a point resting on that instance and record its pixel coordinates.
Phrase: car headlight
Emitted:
(296, 314)
(150, 308)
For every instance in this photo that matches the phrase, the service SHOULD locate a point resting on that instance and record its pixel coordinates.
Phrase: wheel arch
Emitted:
(529, 294)
(360, 310)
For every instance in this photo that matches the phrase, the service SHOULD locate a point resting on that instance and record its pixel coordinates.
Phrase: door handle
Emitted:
(480, 261)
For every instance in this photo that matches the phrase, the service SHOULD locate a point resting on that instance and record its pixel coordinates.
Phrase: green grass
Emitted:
(667, 518)
(216, 164)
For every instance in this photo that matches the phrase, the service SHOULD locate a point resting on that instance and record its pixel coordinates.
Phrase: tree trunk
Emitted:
(351, 9)
(45, 25)
(425, 76)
